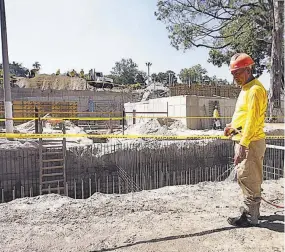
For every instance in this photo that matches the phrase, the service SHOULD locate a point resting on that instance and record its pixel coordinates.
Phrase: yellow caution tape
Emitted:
(110, 118)
(67, 118)
(73, 135)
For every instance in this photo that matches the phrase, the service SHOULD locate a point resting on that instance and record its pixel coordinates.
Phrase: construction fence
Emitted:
(124, 168)
(229, 91)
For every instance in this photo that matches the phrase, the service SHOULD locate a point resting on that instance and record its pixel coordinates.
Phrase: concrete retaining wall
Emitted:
(107, 166)
(121, 168)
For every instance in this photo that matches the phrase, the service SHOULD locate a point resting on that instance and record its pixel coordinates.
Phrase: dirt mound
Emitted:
(45, 81)
(175, 218)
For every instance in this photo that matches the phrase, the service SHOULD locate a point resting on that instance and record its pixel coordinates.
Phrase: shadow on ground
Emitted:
(269, 222)
(266, 222)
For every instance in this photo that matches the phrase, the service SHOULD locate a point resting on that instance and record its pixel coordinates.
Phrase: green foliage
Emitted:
(194, 74)
(245, 42)
(16, 69)
(141, 77)
(136, 86)
(37, 65)
(198, 75)
(125, 72)
(169, 77)
(226, 27)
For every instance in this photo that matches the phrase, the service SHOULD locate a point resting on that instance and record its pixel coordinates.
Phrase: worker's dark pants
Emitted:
(250, 172)
(215, 124)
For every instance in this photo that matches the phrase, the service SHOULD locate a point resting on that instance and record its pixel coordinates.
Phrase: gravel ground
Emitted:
(176, 218)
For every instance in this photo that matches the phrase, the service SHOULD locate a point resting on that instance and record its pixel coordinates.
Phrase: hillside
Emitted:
(45, 81)
(177, 218)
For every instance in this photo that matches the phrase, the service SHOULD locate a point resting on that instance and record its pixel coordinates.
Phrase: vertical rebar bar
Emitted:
(22, 192)
(113, 179)
(90, 187)
(99, 186)
(74, 189)
(107, 183)
(82, 189)
(119, 182)
(58, 190)
(95, 182)
(40, 187)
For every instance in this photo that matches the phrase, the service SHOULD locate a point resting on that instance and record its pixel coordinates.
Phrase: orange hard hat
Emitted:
(240, 60)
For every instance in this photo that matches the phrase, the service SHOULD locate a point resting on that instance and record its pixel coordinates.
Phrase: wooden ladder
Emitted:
(52, 164)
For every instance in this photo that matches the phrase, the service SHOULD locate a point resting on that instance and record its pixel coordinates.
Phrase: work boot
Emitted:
(254, 213)
(252, 205)
(241, 221)
(248, 213)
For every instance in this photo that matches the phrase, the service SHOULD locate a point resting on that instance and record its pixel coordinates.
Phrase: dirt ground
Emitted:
(177, 218)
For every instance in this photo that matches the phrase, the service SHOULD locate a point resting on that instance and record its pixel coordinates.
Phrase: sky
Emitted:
(67, 34)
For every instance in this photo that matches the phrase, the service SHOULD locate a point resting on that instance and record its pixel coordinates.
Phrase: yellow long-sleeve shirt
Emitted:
(250, 113)
(216, 114)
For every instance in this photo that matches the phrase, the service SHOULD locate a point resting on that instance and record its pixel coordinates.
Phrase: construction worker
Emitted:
(82, 74)
(246, 129)
(217, 123)
(72, 73)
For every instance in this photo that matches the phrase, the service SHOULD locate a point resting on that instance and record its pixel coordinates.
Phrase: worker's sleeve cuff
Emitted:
(244, 142)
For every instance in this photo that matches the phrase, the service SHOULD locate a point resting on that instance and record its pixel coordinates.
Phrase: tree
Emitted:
(37, 65)
(141, 77)
(154, 77)
(277, 58)
(185, 76)
(172, 79)
(162, 77)
(227, 27)
(16, 69)
(245, 42)
(167, 78)
(194, 74)
(125, 71)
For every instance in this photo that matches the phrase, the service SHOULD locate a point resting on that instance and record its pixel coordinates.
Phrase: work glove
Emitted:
(227, 130)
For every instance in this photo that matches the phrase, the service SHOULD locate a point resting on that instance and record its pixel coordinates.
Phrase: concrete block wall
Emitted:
(174, 106)
(200, 106)
(183, 106)
(80, 96)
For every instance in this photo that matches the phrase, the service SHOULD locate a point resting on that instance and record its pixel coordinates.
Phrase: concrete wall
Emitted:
(103, 165)
(173, 106)
(183, 106)
(98, 168)
(21, 93)
(203, 107)
(110, 98)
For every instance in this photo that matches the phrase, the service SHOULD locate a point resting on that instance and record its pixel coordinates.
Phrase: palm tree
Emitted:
(37, 65)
